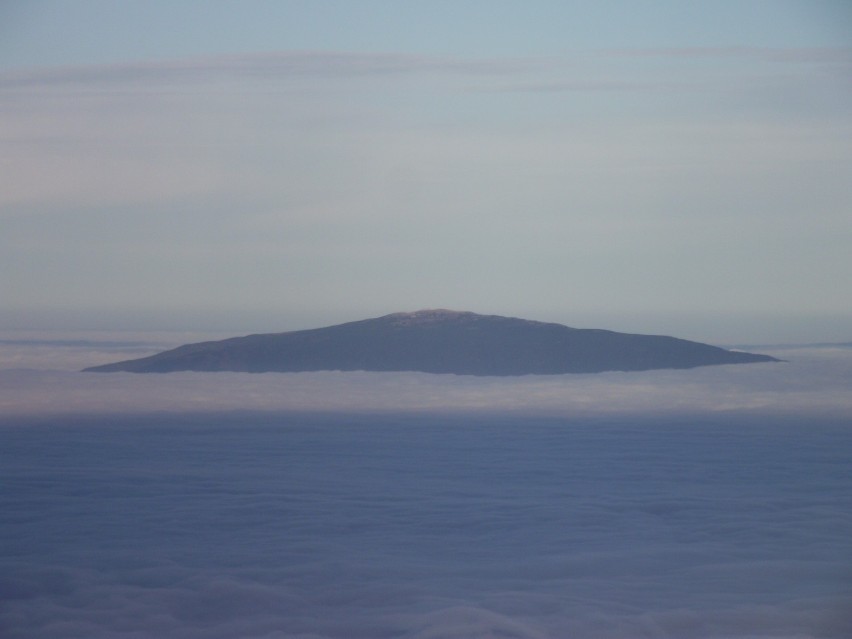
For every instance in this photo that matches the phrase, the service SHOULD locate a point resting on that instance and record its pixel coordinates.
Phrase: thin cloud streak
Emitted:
(287, 64)
(341, 65)
(774, 54)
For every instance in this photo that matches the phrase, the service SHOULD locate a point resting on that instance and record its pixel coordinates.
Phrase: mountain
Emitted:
(439, 341)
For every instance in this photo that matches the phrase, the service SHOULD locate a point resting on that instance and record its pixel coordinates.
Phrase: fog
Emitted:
(714, 503)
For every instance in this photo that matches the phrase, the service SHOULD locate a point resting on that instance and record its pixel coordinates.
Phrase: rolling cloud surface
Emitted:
(703, 504)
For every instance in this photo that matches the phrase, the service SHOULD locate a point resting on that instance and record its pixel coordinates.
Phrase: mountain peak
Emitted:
(428, 316)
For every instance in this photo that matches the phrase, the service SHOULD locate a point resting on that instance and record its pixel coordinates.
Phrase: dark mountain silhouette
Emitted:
(439, 341)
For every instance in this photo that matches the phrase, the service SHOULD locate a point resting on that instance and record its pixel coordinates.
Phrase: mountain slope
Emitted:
(439, 341)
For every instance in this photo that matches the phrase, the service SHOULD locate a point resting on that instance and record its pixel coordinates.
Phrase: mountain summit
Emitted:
(439, 341)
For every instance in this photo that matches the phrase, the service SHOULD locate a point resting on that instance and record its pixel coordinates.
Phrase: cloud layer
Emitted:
(293, 525)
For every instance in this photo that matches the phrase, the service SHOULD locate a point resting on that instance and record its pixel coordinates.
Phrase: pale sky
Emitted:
(659, 167)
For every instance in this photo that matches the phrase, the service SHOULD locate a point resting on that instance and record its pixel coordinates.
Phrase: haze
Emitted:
(645, 167)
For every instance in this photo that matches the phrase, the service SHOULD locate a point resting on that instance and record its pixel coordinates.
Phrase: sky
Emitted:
(656, 167)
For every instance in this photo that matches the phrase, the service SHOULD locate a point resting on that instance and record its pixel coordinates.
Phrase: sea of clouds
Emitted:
(714, 503)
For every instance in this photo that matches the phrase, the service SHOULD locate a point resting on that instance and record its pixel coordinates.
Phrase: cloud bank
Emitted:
(811, 380)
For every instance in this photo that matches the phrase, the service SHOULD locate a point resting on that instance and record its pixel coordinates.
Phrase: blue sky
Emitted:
(642, 166)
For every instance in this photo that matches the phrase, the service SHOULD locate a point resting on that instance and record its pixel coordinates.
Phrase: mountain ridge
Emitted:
(439, 341)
